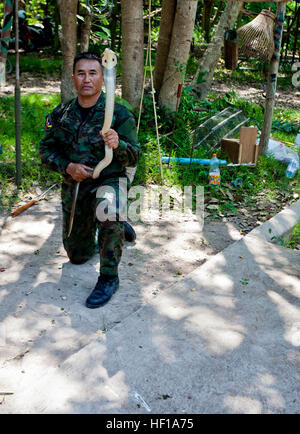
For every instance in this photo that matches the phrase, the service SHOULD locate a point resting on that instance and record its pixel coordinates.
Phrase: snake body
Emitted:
(109, 63)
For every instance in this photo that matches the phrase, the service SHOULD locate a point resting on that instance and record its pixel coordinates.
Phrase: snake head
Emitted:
(109, 59)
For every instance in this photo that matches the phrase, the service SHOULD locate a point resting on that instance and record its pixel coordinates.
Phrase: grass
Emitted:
(33, 63)
(34, 108)
(292, 240)
(254, 72)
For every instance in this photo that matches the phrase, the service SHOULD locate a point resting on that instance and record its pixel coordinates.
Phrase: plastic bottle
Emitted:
(291, 169)
(214, 171)
(297, 141)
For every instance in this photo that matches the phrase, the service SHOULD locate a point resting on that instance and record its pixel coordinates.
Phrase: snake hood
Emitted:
(68, 138)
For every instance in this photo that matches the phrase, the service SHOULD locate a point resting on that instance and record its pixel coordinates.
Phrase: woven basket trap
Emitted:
(256, 39)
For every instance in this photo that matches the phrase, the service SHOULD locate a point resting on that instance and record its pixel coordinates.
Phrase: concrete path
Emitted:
(223, 339)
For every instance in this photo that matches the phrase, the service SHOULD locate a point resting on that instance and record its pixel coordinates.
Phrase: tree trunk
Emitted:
(68, 11)
(5, 36)
(164, 41)
(85, 31)
(56, 19)
(132, 50)
(272, 81)
(179, 52)
(114, 22)
(209, 61)
(206, 16)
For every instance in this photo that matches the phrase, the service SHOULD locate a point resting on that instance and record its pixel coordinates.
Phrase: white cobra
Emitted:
(109, 63)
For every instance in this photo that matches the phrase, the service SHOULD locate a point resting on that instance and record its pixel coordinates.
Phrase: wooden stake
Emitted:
(17, 102)
(272, 80)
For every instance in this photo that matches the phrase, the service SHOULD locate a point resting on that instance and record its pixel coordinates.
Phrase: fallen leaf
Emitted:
(238, 197)
(229, 195)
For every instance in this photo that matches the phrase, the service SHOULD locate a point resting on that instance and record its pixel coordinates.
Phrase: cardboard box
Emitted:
(244, 149)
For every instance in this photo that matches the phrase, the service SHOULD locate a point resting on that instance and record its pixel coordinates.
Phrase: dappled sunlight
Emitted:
(200, 312)
(172, 309)
(209, 324)
(264, 256)
(219, 334)
(265, 396)
(266, 385)
(46, 276)
(290, 282)
(22, 330)
(290, 315)
(221, 283)
(164, 348)
(243, 404)
(227, 302)
(110, 389)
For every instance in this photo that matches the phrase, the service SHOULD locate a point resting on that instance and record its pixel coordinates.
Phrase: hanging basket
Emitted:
(256, 39)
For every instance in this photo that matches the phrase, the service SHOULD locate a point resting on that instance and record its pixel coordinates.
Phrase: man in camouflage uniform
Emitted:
(73, 145)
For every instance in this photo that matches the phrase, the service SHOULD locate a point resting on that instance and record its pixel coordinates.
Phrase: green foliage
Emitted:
(255, 72)
(285, 126)
(34, 10)
(292, 240)
(34, 108)
(101, 10)
(33, 63)
(267, 176)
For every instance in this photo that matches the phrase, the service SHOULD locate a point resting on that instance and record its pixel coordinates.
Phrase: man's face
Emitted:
(88, 78)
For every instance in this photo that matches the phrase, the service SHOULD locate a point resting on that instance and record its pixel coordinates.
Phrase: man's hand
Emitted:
(79, 172)
(111, 139)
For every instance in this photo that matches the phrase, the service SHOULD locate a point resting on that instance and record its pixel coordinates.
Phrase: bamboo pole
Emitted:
(17, 101)
(272, 80)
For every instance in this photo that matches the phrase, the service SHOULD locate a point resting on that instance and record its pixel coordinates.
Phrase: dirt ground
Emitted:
(289, 97)
(285, 98)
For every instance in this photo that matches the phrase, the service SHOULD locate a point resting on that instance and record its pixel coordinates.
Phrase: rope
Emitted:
(142, 96)
(148, 57)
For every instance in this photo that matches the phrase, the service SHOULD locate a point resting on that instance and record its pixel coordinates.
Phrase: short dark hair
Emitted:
(86, 55)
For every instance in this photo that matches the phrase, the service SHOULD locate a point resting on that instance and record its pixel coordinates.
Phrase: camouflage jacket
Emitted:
(70, 139)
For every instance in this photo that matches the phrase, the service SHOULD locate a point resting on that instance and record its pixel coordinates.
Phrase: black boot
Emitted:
(102, 292)
(130, 234)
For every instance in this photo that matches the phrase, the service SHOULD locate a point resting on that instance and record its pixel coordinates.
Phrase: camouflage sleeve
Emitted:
(128, 153)
(48, 148)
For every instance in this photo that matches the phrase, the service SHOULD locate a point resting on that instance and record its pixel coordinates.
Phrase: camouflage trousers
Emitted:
(90, 207)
